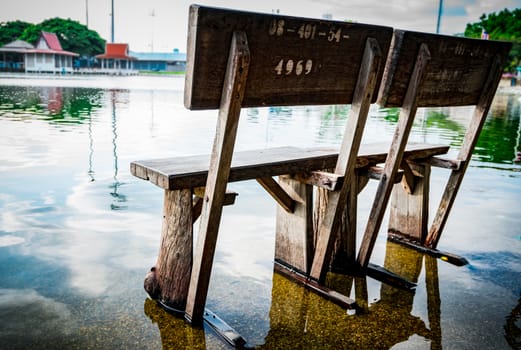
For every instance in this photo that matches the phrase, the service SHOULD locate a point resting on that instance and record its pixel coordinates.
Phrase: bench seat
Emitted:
(191, 171)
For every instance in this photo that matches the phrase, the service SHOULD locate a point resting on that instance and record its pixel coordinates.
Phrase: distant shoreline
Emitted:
(149, 81)
(142, 81)
(510, 89)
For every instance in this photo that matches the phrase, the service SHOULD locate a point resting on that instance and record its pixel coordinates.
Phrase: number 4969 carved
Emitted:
(289, 67)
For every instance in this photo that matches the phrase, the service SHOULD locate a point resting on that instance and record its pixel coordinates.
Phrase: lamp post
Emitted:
(87, 13)
(112, 23)
(440, 9)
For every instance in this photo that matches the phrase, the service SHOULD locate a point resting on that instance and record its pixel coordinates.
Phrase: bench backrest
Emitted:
(456, 72)
(294, 61)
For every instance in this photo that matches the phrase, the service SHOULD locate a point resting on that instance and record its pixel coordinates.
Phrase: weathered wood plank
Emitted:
(343, 255)
(229, 199)
(376, 172)
(383, 275)
(336, 203)
(294, 231)
(456, 73)
(438, 162)
(278, 193)
(410, 210)
(295, 61)
(168, 280)
(395, 157)
(444, 256)
(326, 293)
(191, 171)
(344, 247)
(469, 142)
(322, 179)
(227, 123)
(408, 181)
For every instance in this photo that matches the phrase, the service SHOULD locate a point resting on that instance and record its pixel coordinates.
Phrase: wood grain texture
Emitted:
(479, 116)
(410, 209)
(456, 74)
(326, 57)
(322, 179)
(192, 171)
(343, 253)
(217, 180)
(278, 193)
(168, 280)
(346, 162)
(395, 156)
(294, 231)
(197, 208)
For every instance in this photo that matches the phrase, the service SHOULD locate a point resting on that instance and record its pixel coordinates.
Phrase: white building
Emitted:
(48, 56)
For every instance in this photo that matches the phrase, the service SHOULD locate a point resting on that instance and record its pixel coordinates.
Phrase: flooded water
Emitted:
(78, 233)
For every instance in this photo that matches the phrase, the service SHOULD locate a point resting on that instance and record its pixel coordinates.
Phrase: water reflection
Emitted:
(118, 197)
(300, 319)
(499, 142)
(77, 232)
(175, 332)
(28, 310)
(54, 104)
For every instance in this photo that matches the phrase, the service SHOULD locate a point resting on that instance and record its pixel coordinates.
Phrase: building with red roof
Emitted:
(116, 59)
(48, 56)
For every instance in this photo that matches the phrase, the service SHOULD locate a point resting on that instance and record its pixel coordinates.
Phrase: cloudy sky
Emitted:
(160, 25)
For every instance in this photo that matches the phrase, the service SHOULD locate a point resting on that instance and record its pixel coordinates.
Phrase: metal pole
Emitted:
(440, 9)
(112, 28)
(87, 13)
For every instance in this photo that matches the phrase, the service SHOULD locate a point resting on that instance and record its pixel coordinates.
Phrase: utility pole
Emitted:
(112, 24)
(440, 9)
(152, 15)
(87, 13)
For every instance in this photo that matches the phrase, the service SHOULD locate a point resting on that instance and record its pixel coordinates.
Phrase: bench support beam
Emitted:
(278, 193)
(394, 157)
(469, 142)
(221, 158)
(321, 179)
(346, 162)
(294, 231)
(410, 210)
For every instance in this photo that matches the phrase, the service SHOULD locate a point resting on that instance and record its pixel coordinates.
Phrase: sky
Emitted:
(161, 25)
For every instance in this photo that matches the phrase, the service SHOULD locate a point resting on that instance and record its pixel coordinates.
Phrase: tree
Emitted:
(10, 31)
(505, 25)
(73, 36)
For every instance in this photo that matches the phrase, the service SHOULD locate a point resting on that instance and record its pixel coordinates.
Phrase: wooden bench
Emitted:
(447, 71)
(239, 59)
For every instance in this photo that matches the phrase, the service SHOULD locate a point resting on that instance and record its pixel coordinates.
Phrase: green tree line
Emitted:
(73, 35)
(503, 25)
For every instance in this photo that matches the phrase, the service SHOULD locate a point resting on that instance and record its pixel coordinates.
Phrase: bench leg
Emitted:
(226, 132)
(394, 158)
(345, 166)
(465, 154)
(168, 280)
(294, 231)
(344, 247)
(410, 211)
